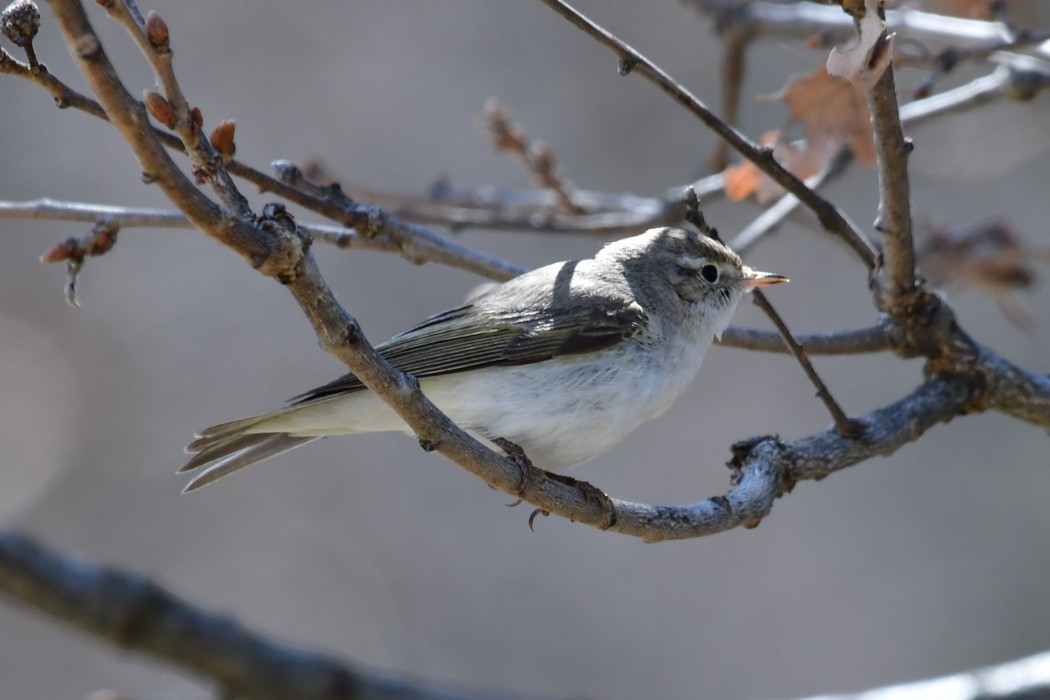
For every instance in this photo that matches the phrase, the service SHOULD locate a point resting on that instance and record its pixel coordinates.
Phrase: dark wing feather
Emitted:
(471, 337)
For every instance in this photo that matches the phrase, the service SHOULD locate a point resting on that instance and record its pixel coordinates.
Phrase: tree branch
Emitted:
(854, 342)
(370, 221)
(1013, 391)
(769, 466)
(843, 424)
(894, 218)
(129, 611)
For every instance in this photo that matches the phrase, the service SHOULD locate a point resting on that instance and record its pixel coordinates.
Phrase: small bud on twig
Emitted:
(222, 139)
(159, 108)
(101, 240)
(197, 117)
(156, 30)
(20, 22)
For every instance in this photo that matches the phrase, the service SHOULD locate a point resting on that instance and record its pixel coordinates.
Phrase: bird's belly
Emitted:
(561, 415)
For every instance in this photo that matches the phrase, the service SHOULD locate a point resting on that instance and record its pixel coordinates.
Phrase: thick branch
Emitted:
(894, 218)
(129, 611)
(884, 431)
(1013, 391)
(770, 465)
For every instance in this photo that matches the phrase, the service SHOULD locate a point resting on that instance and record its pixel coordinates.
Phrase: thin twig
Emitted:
(853, 342)
(845, 426)
(370, 221)
(143, 217)
(535, 210)
(830, 217)
(508, 137)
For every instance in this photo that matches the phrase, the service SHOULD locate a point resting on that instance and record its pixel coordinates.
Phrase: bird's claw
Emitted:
(530, 472)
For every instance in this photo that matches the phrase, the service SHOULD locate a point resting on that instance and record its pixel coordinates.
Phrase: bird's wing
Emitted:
(474, 336)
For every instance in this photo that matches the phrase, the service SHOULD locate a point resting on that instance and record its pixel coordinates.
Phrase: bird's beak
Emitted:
(753, 278)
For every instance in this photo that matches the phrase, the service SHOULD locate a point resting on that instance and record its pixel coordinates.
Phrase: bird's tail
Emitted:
(234, 445)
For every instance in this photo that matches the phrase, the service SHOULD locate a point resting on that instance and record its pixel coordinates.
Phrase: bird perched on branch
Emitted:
(563, 361)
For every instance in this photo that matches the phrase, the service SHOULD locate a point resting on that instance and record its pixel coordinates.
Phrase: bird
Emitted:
(563, 361)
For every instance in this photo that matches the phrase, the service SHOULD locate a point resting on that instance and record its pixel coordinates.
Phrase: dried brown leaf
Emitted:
(745, 179)
(834, 113)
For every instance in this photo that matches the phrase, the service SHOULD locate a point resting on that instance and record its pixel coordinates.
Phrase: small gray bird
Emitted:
(564, 361)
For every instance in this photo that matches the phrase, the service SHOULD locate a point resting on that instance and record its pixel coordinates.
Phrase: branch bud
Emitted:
(63, 250)
(156, 30)
(222, 139)
(159, 108)
(20, 22)
(197, 117)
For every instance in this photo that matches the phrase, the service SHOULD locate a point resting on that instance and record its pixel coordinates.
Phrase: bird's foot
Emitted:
(531, 473)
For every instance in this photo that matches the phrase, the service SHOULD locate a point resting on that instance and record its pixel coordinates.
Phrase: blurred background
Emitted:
(928, 562)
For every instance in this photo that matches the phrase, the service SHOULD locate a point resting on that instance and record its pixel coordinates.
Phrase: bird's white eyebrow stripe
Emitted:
(690, 262)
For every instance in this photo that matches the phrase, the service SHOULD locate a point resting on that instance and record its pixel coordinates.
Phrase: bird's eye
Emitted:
(709, 273)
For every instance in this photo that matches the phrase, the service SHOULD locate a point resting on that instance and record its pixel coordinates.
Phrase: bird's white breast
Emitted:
(566, 412)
